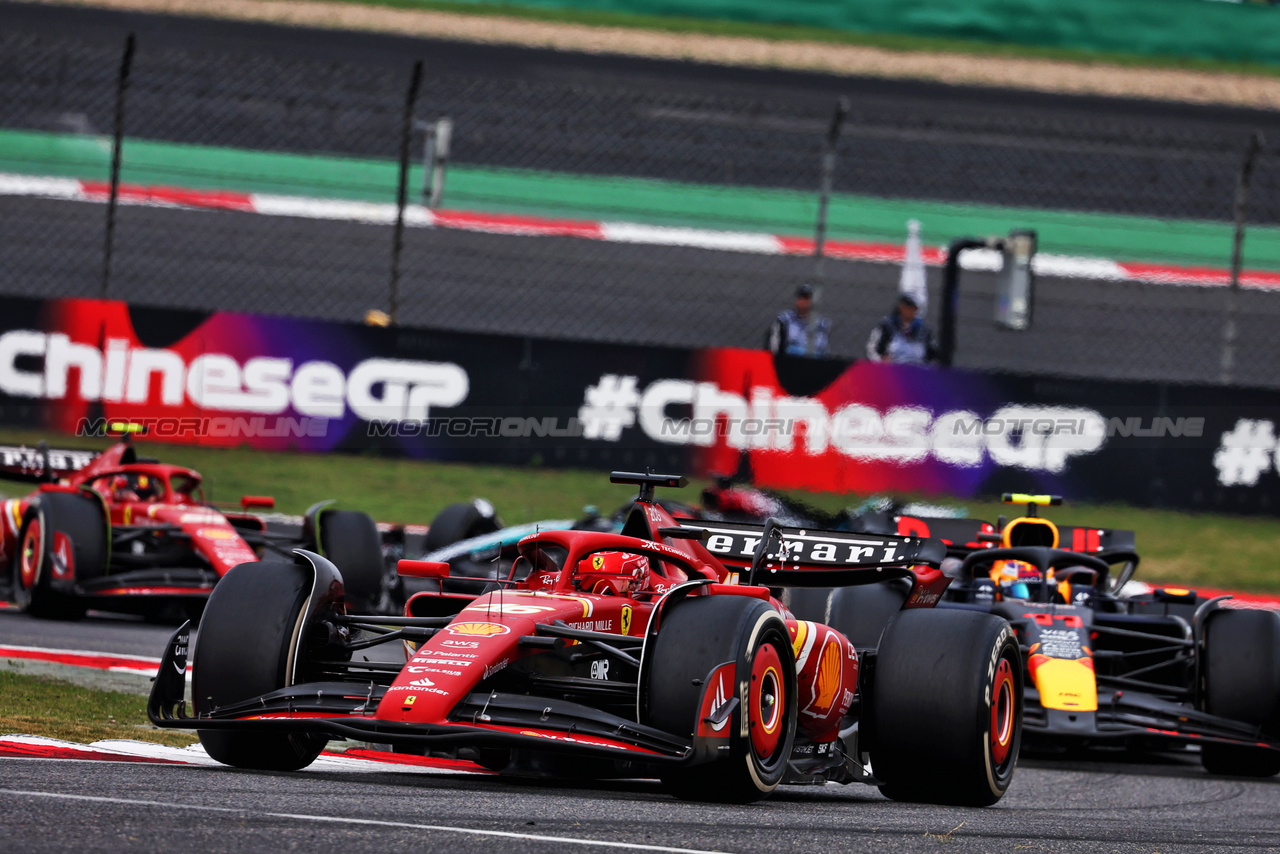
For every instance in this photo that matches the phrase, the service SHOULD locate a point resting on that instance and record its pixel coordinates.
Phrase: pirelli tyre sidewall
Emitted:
(249, 644)
(1241, 672)
(63, 538)
(696, 636)
(945, 707)
(31, 558)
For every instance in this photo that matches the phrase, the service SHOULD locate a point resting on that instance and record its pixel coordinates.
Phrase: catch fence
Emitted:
(612, 208)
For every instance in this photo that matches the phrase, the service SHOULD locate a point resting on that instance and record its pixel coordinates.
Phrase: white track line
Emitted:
(440, 828)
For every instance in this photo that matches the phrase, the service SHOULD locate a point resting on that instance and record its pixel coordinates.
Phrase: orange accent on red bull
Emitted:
(1064, 683)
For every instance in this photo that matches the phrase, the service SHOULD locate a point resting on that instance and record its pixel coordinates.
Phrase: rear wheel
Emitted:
(809, 603)
(861, 613)
(246, 647)
(946, 708)
(1242, 682)
(350, 540)
(695, 637)
(63, 538)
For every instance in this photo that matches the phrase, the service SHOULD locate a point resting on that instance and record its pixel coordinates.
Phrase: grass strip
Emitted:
(40, 705)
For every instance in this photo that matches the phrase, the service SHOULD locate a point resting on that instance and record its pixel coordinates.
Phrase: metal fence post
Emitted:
(126, 66)
(951, 296)
(824, 190)
(1237, 247)
(402, 191)
(435, 159)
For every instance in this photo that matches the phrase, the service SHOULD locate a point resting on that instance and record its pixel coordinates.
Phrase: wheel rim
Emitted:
(768, 701)
(1002, 711)
(29, 560)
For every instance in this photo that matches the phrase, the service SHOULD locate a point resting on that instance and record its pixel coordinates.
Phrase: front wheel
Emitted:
(458, 522)
(1242, 682)
(350, 540)
(246, 647)
(946, 708)
(696, 636)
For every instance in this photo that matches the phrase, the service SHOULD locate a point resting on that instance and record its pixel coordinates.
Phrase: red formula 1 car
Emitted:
(658, 651)
(114, 531)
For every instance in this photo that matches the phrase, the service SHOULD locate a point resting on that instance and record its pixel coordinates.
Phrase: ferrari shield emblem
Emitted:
(626, 619)
(597, 561)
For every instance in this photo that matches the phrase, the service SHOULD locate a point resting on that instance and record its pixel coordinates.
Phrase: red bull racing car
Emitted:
(1159, 669)
(657, 651)
(118, 532)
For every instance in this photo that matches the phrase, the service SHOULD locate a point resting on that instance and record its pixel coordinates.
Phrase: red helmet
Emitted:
(612, 573)
(121, 489)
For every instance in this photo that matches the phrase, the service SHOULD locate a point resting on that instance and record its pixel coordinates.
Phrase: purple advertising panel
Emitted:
(276, 383)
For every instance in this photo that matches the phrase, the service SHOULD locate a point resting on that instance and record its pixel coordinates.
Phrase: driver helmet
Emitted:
(121, 490)
(612, 573)
(1015, 577)
(145, 487)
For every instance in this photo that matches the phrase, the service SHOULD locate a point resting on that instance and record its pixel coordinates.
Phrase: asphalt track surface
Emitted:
(98, 632)
(1101, 801)
(1112, 805)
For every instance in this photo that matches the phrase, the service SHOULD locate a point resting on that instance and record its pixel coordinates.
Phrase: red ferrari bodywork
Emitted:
(559, 655)
(143, 503)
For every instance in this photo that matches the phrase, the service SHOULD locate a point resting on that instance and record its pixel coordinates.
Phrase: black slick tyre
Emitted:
(63, 538)
(246, 647)
(809, 603)
(350, 540)
(945, 714)
(859, 613)
(1242, 682)
(697, 635)
(461, 522)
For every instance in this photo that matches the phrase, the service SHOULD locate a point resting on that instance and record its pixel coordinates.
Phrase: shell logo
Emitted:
(827, 684)
(477, 630)
(216, 534)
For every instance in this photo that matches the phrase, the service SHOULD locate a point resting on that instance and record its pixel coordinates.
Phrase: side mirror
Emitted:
(684, 532)
(250, 501)
(422, 568)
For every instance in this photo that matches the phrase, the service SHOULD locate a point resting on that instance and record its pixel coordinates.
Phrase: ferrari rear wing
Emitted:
(41, 464)
(798, 557)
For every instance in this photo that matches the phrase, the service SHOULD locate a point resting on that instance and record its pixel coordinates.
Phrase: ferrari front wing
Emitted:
(346, 710)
